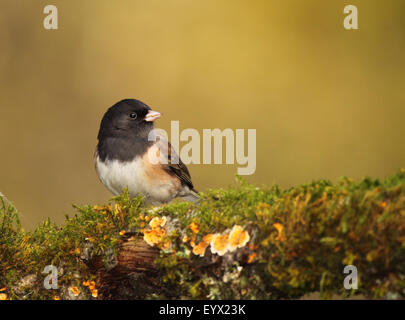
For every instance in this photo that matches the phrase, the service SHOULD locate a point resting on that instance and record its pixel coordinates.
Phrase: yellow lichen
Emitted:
(157, 222)
(238, 238)
(219, 244)
(154, 236)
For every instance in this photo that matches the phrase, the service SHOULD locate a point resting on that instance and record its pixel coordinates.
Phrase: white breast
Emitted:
(117, 175)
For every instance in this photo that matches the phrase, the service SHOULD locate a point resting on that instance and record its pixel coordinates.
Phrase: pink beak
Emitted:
(152, 116)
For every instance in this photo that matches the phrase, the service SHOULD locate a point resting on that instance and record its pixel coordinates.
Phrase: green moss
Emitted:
(325, 227)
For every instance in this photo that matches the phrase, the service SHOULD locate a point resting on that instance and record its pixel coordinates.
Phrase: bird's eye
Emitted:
(133, 115)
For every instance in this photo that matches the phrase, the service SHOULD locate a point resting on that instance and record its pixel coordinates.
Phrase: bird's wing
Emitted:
(173, 164)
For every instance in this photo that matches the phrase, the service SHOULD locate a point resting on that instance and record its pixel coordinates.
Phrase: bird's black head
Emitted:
(124, 130)
(127, 118)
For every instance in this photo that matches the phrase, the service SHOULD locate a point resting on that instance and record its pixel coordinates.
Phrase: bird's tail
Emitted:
(193, 196)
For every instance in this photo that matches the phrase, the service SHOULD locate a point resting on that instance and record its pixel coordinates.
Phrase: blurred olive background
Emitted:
(326, 102)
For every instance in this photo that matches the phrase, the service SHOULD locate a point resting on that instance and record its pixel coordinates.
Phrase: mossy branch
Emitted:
(244, 242)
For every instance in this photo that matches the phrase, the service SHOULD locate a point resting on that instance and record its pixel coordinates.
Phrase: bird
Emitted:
(126, 141)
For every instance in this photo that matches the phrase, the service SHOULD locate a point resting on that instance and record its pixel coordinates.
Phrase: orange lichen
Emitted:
(279, 227)
(251, 257)
(219, 244)
(253, 246)
(157, 222)
(3, 296)
(122, 232)
(238, 238)
(75, 291)
(185, 239)
(207, 238)
(56, 298)
(94, 293)
(192, 241)
(194, 227)
(154, 236)
(200, 248)
(92, 287)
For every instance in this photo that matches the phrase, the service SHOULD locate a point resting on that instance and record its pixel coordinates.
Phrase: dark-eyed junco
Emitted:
(123, 156)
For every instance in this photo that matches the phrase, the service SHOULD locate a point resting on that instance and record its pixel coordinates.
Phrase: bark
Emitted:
(134, 273)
